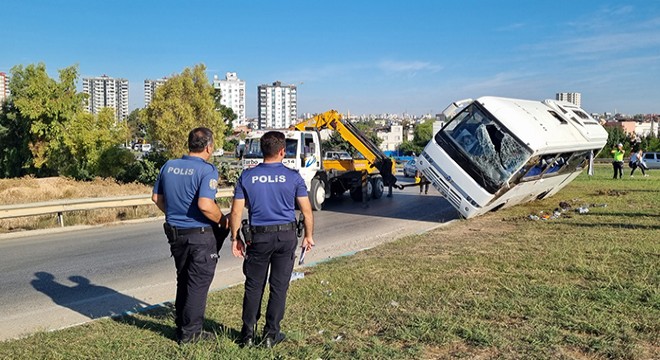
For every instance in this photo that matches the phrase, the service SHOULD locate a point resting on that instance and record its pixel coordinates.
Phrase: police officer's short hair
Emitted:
(271, 143)
(199, 138)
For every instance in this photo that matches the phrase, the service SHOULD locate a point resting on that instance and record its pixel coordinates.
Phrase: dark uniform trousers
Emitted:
(277, 250)
(195, 257)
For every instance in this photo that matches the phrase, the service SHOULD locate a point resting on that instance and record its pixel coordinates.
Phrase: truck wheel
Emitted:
(378, 187)
(356, 192)
(317, 194)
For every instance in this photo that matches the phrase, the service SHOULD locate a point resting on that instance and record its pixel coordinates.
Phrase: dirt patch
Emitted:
(488, 226)
(458, 350)
(575, 353)
(611, 192)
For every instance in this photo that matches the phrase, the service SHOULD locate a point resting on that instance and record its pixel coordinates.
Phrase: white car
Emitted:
(409, 169)
(219, 152)
(146, 147)
(652, 160)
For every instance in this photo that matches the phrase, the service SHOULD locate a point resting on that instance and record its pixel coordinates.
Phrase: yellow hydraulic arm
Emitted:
(333, 120)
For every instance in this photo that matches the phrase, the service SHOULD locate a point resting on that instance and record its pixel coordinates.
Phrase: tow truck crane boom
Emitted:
(377, 159)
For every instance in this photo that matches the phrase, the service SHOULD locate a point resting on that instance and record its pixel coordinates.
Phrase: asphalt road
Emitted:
(55, 280)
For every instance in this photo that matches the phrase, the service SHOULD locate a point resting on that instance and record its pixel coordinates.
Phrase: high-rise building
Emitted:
(4, 86)
(572, 97)
(232, 95)
(150, 87)
(278, 106)
(105, 91)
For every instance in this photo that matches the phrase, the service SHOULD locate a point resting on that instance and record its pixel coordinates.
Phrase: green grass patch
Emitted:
(582, 286)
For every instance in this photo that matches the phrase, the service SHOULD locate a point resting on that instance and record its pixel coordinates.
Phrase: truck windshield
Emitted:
(253, 149)
(484, 148)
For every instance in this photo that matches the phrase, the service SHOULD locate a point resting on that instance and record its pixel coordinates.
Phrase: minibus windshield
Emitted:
(483, 147)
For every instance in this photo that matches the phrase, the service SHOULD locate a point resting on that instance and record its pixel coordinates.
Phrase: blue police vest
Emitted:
(270, 191)
(182, 182)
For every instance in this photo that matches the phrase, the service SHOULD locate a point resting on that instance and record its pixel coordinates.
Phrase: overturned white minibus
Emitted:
(497, 152)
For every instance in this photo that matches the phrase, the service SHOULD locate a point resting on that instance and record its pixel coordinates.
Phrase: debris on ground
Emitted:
(560, 211)
(297, 275)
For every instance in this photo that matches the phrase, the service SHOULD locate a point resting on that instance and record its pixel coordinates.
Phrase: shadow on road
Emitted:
(404, 206)
(408, 204)
(93, 301)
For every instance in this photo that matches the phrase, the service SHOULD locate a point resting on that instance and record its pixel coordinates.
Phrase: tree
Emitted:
(408, 147)
(136, 128)
(369, 130)
(615, 135)
(422, 135)
(15, 155)
(34, 119)
(184, 102)
(87, 137)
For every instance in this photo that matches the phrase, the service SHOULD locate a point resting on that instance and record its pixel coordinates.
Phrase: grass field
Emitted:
(581, 286)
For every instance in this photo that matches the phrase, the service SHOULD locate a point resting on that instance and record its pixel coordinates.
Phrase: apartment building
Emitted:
(4, 86)
(572, 97)
(150, 87)
(391, 139)
(232, 95)
(105, 91)
(278, 106)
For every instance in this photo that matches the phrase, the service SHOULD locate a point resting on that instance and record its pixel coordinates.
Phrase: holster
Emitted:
(170, 233)
(300, 225)
(246, 233)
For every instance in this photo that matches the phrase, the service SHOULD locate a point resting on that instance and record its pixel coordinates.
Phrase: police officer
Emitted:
(269, 191)
(185, 191)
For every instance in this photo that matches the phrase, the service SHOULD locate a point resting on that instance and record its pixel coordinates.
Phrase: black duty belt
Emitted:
(197, 230)
(273, 228)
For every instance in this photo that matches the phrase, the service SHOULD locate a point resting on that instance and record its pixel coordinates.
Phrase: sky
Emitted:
(362, 57)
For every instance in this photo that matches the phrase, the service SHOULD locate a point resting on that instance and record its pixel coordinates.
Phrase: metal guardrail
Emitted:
(59, 207)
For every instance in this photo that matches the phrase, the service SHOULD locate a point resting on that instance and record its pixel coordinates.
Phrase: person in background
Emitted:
(423, 183)
(637, 161)
(617, 160)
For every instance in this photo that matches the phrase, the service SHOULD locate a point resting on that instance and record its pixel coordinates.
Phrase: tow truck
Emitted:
(330, 176)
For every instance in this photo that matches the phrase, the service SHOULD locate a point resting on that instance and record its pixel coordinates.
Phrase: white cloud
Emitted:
(322, 72)
(408, 66)
(356, 69)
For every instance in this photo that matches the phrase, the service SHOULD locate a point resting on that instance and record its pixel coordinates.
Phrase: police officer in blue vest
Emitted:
(269, 191)
(185, 191)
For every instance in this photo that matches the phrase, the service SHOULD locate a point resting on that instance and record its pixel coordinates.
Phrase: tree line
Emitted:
(631, 142)
(45, 130)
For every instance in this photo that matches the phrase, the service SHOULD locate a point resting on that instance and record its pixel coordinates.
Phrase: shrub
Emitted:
(143, 171)
(229, 174)
(114, 162)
